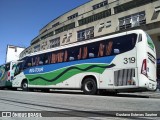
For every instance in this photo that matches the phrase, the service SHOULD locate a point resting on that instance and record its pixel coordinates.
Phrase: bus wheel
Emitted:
(25, 85)
(89, 86)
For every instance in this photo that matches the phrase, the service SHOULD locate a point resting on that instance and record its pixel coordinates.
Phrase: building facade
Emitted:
(98, 18)
(13, 52)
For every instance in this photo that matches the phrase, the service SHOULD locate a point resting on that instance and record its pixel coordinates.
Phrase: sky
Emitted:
(21, 20)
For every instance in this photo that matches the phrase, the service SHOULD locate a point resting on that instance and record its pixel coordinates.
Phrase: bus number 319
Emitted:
(129, 60)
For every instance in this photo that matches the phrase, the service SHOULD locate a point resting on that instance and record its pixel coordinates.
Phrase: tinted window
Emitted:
(103, 48)
(7, 67)
(92, 50)
(27, 62)
(124, 43)
(19, 68)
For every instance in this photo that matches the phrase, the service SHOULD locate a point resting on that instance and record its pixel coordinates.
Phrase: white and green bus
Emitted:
(120, 62)
(7, 74)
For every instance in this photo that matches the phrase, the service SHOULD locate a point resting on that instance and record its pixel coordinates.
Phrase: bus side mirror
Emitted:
(116, 51)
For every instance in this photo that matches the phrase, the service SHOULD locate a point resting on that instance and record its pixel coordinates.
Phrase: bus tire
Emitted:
(24, 85)
(89, 86)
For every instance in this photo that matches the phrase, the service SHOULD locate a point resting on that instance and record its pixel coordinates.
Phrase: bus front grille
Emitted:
(124, 77)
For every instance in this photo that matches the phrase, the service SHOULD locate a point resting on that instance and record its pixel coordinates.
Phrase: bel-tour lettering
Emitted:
(36, 70)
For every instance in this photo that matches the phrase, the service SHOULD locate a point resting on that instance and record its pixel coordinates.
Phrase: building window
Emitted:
(65, 28)
(85, 34)
(44, 31)
(73, 16)
(99, 5)
(132, 20)
(131, 5)
(47, 35)
(142, 18)
(35, 41)
(37, 48)
(55, 25)
(95, 17)
(55, 42)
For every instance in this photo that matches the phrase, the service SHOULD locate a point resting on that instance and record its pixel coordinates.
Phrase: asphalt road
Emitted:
(72, 104)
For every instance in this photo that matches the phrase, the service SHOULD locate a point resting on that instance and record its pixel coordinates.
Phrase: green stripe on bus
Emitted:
(58, 76)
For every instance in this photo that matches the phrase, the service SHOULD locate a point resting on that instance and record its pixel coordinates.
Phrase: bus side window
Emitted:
(37, 59)
(101, 50)
(117, 45)
(7, 67)
(72, 54)
(109, 47)
(45, 58)
(40, 60)
(18, 68)
(82, 52)
(28, 63)
(53, 58)
(14, 66)
(33, 62)
(65, 56)
(124, 43)
(92, 50)
(85, 52)
(60, 56)
(79, 56)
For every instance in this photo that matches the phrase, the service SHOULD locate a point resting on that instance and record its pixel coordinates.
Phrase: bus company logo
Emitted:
(6, 114)
(36, 70)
